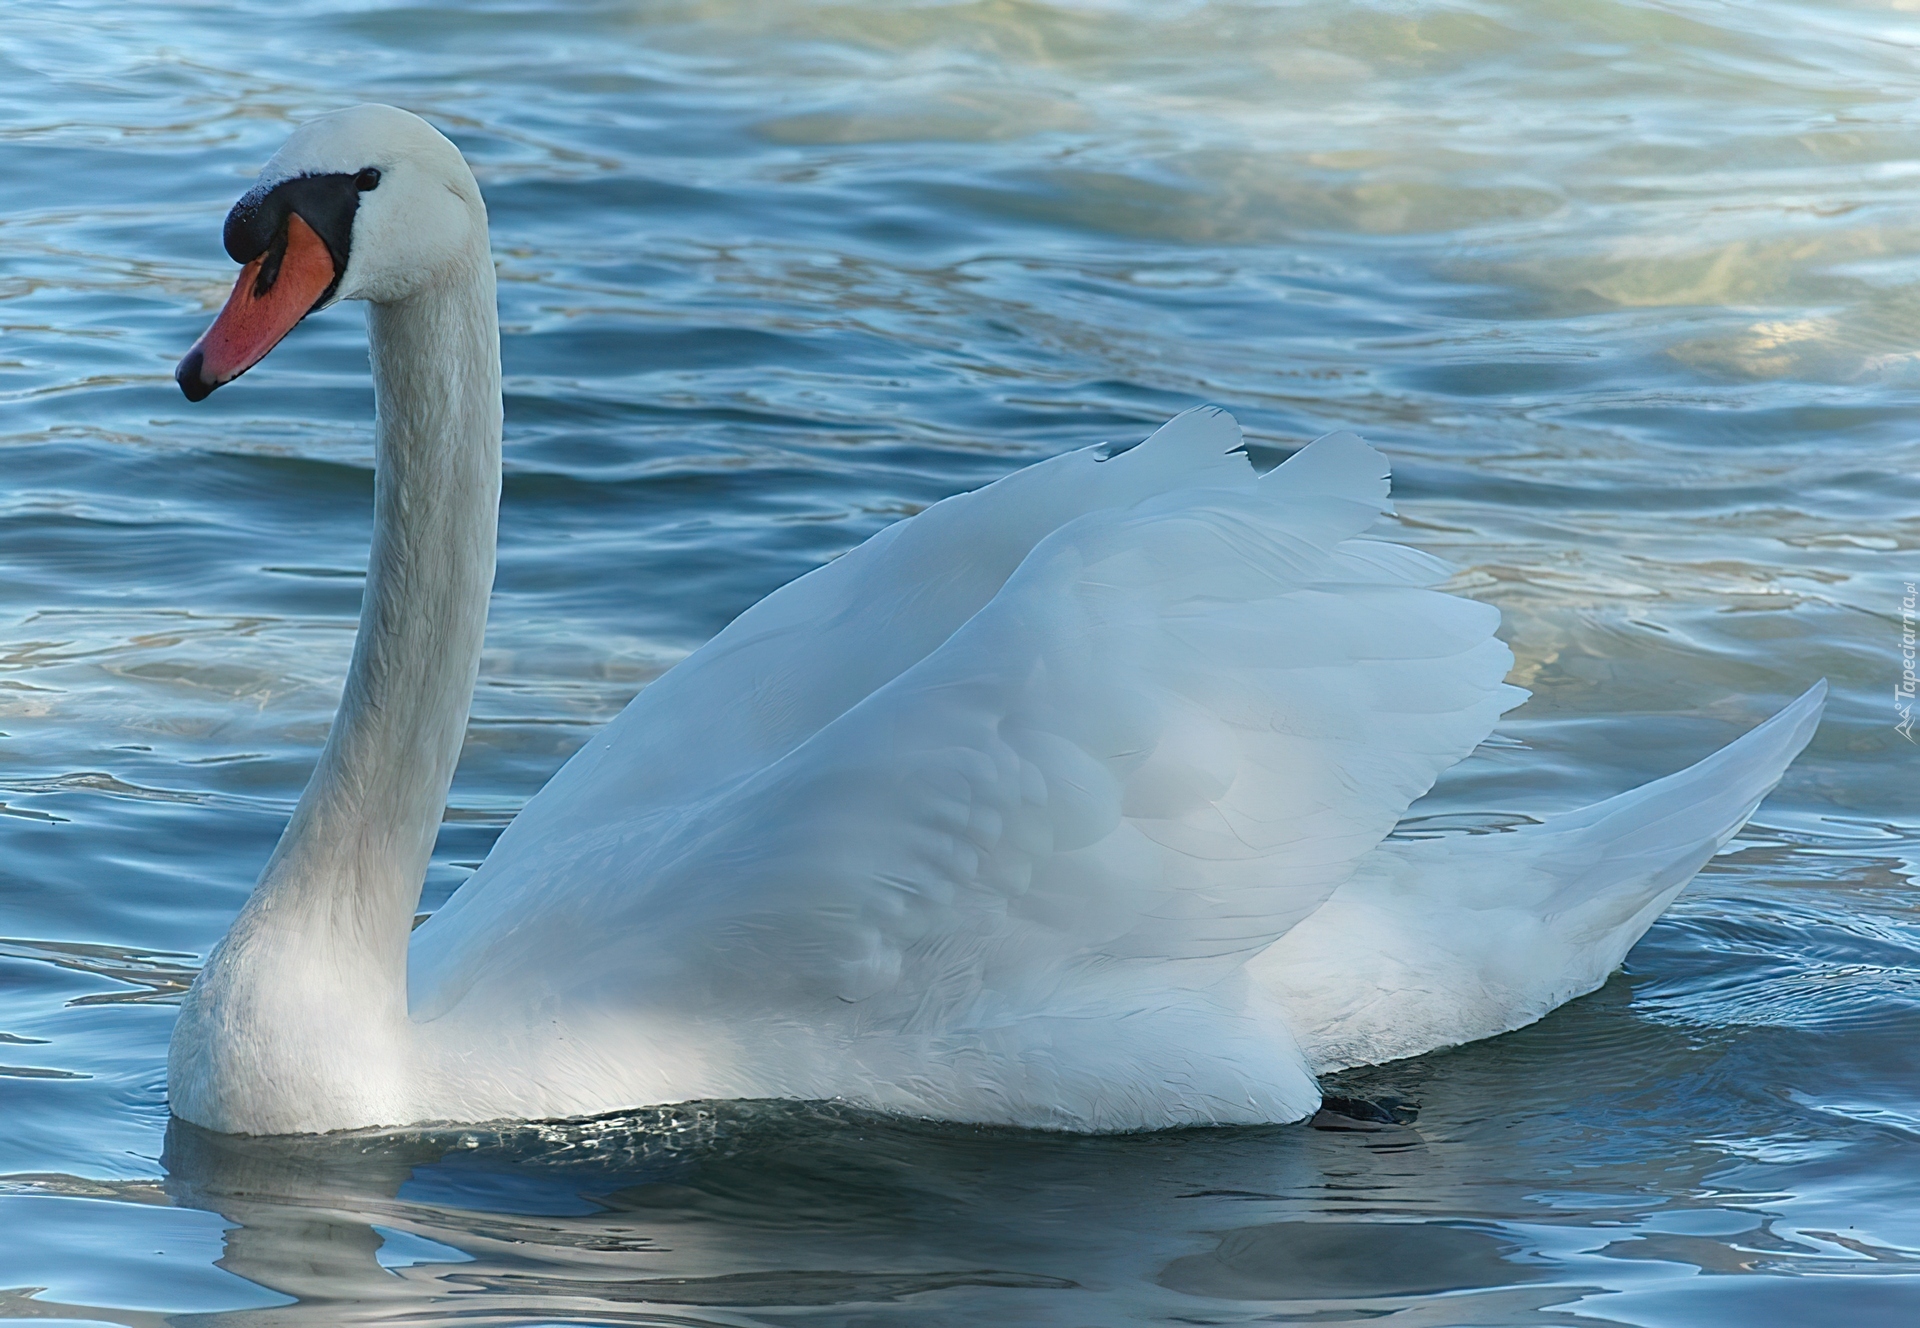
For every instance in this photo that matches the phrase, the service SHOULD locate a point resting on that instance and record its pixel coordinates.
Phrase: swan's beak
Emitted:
(275, 291)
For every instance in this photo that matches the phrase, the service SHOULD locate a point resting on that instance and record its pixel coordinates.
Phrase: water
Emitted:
(1626, 290)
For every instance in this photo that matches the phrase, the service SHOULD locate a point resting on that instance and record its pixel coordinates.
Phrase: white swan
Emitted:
(983, 821)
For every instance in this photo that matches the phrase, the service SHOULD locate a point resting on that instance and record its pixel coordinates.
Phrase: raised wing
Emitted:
(804, 654)
(1168, 736)
(811, 649)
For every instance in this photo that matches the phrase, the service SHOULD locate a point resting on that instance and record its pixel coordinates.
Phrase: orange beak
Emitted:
(275, 291)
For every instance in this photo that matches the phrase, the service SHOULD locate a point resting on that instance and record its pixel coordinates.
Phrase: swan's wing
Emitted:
(1168, 737)
(804, 654)
(1442, 941)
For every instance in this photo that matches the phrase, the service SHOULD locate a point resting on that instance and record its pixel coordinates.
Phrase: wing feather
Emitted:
(1162, 736)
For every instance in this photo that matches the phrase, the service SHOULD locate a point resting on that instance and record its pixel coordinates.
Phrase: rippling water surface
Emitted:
(1628, 291)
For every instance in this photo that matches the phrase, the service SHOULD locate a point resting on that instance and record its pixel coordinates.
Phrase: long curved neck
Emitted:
(348, 870)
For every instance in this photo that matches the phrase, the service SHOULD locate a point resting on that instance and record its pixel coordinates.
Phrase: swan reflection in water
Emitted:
(743, 1212)
(768, 1212)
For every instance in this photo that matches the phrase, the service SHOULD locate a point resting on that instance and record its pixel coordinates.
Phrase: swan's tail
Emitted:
(1437, 942)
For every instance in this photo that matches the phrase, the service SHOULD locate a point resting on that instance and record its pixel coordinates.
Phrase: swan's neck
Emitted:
(357, 847)
(310, 984)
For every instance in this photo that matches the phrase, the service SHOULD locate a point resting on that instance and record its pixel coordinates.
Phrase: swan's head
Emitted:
(368, 203)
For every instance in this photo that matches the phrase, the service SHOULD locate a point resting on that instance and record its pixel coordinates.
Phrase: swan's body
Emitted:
(984, 821)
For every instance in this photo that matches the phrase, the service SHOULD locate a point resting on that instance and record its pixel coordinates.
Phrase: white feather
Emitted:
(1166, 738)
(1442, 941)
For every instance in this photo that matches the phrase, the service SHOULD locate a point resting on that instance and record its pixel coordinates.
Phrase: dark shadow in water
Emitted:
(756, 1212)
(1341, 1260)
(732, 1206)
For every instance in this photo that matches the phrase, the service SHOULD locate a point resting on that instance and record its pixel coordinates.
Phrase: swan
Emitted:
(1061, 804)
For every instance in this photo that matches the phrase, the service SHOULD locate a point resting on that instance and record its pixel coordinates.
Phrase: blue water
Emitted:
(1629, 292)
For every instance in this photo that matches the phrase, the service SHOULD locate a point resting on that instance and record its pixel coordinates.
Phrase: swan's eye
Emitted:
(367, 179)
